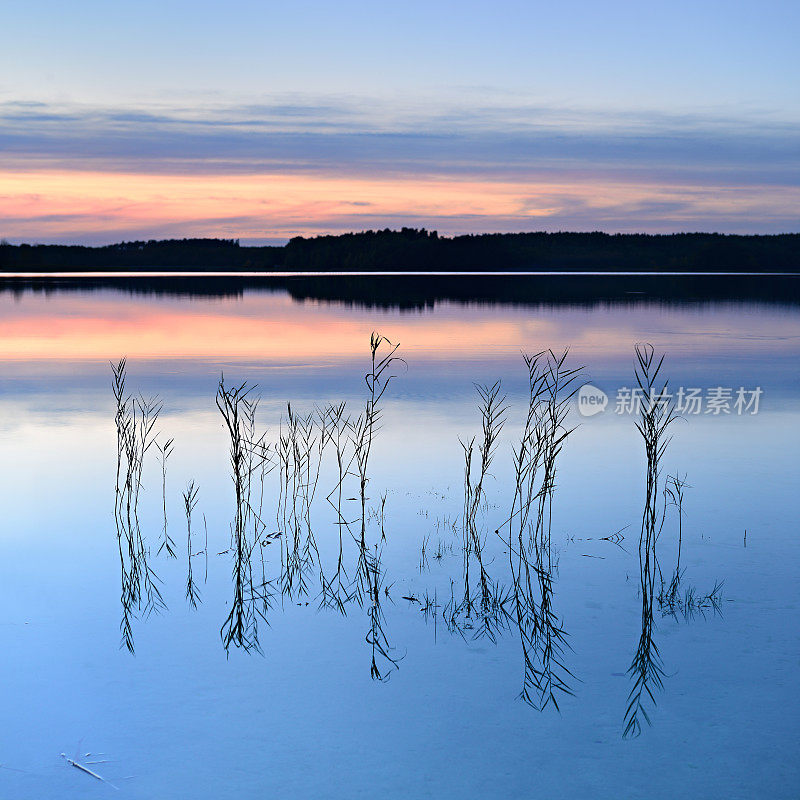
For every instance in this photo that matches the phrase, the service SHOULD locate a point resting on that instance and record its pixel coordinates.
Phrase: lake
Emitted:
(347, 612)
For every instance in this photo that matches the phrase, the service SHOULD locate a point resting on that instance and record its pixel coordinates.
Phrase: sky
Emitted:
(262, 121)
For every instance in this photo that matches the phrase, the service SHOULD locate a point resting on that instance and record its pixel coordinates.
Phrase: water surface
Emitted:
(184, 717)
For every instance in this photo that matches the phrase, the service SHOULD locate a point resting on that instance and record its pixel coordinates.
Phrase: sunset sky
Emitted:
(264, 121)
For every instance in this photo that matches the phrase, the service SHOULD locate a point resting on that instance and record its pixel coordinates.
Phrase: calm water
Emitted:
(304, 717)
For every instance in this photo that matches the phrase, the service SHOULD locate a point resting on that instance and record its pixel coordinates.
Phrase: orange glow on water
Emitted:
(273, 328)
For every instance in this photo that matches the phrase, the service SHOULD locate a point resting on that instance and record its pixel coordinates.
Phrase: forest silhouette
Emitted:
(412, 250)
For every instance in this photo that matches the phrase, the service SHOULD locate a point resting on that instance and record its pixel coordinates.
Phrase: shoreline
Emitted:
(77, 274)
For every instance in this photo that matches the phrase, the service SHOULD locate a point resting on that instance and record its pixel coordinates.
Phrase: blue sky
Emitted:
(588, 97)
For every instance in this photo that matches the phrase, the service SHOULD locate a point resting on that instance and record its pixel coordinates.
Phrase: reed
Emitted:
(333, 590)
(673, 495)
(362, 436)
(250, 456)
(135, 420)
(552, 385)
(339, 424)
(384, 662)
(302, 442)
(382, 516)
(441, 550)
(492, 409)
(691, 602)
(189, 503)
(164, 452)
(424, 562)
(656, 414)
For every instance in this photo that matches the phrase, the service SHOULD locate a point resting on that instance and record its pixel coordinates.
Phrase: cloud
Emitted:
(361, 138)
(298, 166)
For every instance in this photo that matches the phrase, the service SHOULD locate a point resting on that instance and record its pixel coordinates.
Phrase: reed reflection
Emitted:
(656, 415)
(552, 385)
(505, 565)
(249, 460)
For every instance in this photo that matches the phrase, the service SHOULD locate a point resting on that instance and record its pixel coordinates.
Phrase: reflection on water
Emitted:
(552, 386)
(520, 599)
(249, 461)
(452, 522)
(135, 419)
(655, 417)
(189, 504)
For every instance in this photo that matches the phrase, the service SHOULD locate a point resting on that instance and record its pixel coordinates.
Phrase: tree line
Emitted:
(412, 249)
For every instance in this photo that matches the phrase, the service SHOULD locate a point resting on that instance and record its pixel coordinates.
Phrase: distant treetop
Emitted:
(412, 249)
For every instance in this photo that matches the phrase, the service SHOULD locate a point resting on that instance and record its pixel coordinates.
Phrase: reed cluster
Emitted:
(520, 598)
(492, 410)
(552, 385)
(135, 420)
(656, 414)
(250, 461)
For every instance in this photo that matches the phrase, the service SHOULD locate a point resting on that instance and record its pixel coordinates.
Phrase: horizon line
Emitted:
(237, 240)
